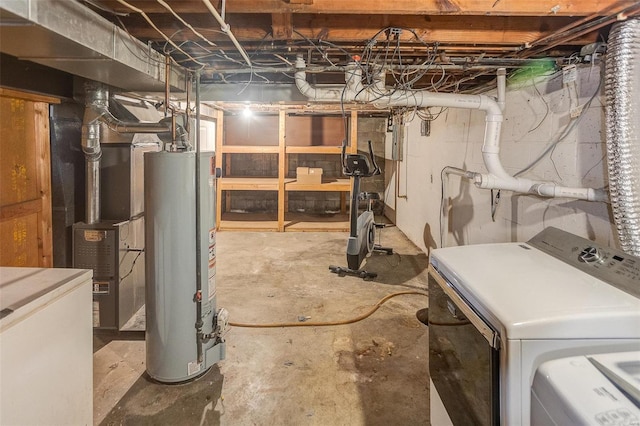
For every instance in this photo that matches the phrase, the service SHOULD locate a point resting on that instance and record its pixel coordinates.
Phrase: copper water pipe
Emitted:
(187, 110)
(167, 73)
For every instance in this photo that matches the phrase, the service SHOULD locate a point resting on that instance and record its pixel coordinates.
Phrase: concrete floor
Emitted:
(373, 372)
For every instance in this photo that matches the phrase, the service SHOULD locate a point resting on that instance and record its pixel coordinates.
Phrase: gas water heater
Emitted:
(185, 332)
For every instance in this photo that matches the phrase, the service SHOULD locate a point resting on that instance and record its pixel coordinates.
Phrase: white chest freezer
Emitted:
(46, 346)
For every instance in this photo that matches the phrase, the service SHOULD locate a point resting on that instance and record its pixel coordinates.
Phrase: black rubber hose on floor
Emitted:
(329, 323)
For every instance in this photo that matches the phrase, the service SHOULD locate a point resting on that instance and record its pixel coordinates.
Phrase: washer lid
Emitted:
(623, 370)
(528, 294)
(573, 391)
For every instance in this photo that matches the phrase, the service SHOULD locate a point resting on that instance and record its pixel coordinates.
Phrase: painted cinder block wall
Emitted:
(535, 115)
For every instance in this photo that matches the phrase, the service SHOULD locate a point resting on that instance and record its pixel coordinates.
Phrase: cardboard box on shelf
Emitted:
(309, 175)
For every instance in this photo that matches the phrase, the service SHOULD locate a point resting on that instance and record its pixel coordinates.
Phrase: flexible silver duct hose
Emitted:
(622, 91)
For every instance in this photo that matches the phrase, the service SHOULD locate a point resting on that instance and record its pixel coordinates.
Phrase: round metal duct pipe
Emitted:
(622, 92)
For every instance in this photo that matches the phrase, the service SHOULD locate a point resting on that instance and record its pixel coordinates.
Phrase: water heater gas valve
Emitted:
(221, 324)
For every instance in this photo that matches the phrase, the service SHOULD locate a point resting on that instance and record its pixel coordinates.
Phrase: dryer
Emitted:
(499, 311)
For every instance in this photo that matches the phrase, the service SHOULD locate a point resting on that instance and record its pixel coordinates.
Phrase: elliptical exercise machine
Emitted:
(362, 227)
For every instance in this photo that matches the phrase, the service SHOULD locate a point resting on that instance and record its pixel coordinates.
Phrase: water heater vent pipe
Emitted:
(96, 114)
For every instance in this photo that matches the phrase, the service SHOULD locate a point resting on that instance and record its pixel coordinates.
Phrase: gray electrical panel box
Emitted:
(397, 139)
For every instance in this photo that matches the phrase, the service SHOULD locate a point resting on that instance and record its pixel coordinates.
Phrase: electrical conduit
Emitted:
(226, 29)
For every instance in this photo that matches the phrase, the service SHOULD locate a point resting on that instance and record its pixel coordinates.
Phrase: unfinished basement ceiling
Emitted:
(444, 45)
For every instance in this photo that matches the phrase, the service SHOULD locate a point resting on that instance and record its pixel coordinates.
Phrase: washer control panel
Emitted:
(611, 265)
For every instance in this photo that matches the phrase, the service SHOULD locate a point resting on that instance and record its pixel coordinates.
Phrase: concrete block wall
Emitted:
(314, 202)
(535, 115)
(329, 163)
(253, 201)
(253, 165)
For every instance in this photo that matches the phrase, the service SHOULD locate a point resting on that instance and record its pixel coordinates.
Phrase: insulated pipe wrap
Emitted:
(622, 91)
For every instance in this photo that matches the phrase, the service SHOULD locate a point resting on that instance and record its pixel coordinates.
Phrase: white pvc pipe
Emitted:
(226, 29)
(314, 93)
(497, 177)
(353, 79)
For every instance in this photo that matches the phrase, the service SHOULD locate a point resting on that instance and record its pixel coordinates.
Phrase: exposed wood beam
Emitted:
(282, 26)
(387, 7)
(10, 93)
(511, 31)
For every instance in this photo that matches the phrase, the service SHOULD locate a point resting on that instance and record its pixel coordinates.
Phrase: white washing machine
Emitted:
(499, 311)
(592, 390)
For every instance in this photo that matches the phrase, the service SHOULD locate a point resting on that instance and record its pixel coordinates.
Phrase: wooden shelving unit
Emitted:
(334, 185)
(242, 149)
(301, 222)
(262, 222)
(313, 150)
(248, 184)
(280, 220)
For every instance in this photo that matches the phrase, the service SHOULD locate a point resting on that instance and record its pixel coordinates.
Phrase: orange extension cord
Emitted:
(329, 323)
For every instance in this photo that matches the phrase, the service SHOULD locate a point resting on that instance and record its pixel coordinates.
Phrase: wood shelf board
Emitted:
(248, 184)
(252, 149)
(313, 149)
(262, 222)
(294, 222)
(305, 222)
(337, 185)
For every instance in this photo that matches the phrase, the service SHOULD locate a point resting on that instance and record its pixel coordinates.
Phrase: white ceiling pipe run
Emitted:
(314, 93)
(497, 177)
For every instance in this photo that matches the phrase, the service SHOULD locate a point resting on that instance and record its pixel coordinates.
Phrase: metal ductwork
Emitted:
(622, 91)
(97, 98)
(97, 121)
(67, 36)
(497, 177)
